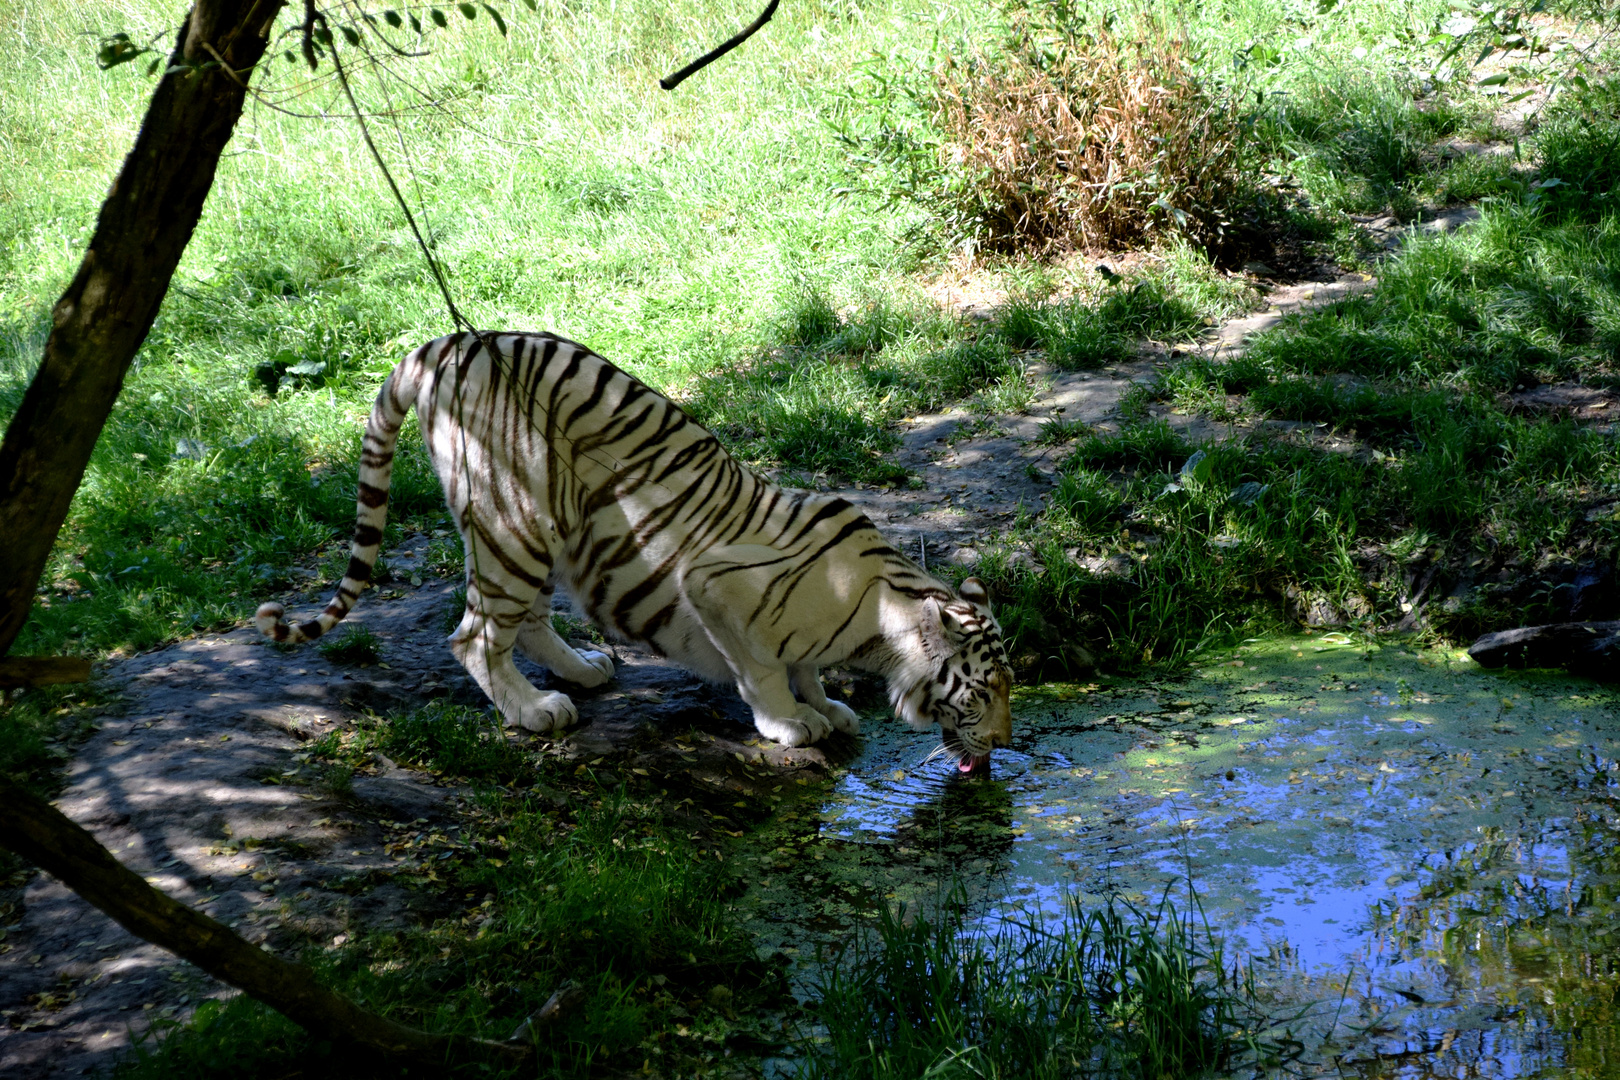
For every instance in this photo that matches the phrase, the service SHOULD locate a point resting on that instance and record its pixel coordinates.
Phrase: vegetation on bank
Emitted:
(769, 290)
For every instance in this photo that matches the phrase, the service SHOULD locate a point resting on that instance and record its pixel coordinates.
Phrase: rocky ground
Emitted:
(194, 776)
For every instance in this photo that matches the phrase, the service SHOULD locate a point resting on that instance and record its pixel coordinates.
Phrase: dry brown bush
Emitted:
(1093, 138)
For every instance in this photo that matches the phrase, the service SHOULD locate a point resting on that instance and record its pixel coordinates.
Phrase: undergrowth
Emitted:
(1375, 442)
(1075, 131)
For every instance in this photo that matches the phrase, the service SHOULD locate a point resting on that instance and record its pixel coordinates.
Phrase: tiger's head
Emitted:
(967, 685)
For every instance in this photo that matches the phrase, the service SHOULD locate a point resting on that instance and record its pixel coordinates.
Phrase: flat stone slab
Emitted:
(1590, 648)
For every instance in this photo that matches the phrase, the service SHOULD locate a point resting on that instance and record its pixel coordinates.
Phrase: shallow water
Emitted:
(1426, 850)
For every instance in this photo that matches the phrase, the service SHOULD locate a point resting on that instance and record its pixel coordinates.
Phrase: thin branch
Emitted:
(410, 218)
(670, 82)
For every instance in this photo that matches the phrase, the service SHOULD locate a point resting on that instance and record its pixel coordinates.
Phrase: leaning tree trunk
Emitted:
(103, 317)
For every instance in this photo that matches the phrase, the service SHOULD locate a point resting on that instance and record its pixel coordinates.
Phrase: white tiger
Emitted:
(560, 469)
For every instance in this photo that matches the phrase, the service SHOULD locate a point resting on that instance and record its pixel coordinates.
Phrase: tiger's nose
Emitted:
(1001, 730)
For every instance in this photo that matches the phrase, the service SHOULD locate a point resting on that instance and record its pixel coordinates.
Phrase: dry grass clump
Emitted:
(1093, 137)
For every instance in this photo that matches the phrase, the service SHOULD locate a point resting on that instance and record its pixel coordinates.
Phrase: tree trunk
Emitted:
(40, 833)
(101, 320)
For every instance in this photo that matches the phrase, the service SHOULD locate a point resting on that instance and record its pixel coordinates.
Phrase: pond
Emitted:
(1423, 852)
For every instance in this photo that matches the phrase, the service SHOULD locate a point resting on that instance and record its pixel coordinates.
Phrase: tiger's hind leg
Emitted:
(540, 642)
(497, 605)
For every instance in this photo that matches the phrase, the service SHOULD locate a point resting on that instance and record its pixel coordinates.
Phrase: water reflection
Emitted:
(1430, 850)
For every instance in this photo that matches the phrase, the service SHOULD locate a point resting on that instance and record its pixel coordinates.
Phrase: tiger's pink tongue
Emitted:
(970, 765)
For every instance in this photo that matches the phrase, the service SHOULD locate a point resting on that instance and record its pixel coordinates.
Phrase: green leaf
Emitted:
(1494, 80)
(438, 18)
(1247, 493)
(117, 49)
(467, 10)
(532, 5)
(392, 18)
(350, 35)
(416, 25)
(500, 23)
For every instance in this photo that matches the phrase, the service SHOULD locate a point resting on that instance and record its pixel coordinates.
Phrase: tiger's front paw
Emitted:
(542, 713)
(842, 717)
(803, 728)
(601, 661)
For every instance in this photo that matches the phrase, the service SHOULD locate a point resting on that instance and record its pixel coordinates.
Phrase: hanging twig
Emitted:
(670, 82)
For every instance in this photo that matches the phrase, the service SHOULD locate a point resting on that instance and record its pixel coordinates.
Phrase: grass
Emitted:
(629, 209)
(357, 645)
(781, 319)
(1112, 991)
(1431, 465)
(824, 401)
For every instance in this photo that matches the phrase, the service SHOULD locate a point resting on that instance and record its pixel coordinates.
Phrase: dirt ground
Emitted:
(193, 777)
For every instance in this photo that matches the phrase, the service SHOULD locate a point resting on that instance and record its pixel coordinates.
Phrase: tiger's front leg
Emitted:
(540, 642)
(497, 607)
(723, 589)
(807, 681)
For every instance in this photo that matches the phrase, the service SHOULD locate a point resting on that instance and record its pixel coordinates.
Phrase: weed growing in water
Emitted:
(1108, 992)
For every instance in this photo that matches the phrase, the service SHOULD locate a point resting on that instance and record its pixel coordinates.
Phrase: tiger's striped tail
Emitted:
(394, 402)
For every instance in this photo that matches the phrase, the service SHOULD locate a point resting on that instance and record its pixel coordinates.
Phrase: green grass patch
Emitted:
(1399, 449)
(1578, 148)
(357, 645)
(823, 401)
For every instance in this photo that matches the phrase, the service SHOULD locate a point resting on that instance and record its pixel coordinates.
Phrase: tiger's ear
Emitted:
(973, 592)
(936, 634)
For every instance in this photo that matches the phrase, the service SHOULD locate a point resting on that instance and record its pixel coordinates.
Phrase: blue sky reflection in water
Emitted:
(1438, 844)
